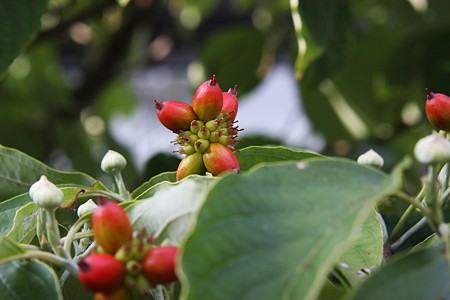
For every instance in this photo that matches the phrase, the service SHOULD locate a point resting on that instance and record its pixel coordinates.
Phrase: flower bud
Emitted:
(87, 207)
(113, 162)
(45, 194)
(371, 158)
(432, 149)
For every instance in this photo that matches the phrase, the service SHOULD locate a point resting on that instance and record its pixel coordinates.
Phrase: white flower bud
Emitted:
(371, 158)
(45, 194)
(432, 149)
(86, 207)
(113, 162)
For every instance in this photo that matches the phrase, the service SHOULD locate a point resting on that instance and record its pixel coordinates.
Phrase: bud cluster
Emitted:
(124, 262)
(206, 131)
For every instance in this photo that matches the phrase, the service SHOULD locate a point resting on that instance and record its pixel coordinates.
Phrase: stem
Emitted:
(73, 231)
(416, 204)
(53, 235)
(408, 234)
(432, 199)
(102, 193)
(46, 256)
(121, 185)
(402, 221)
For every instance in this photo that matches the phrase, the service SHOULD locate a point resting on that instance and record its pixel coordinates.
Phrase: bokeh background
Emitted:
(333, 76)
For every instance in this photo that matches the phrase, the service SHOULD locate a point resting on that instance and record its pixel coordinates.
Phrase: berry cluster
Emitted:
(206, 131)
(125, 263)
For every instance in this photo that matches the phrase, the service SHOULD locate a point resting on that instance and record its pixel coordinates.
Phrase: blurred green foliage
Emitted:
(362, 67)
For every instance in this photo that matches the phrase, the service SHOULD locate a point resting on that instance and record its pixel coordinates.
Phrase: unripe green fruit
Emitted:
(203, 133)
(175, 115)
(224, 140)
(214, 137)
(191, 164)
(208, 100)
(212, 125)
(437, 108)
(201, 145)
(219, 159)
(189, 149)
(112, 227)
(230, 104)
(196, 125)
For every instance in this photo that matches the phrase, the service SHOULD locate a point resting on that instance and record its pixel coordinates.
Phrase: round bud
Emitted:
(432, 149)
(371, 158)
(113, 162)
(87, 207)
(45, 194)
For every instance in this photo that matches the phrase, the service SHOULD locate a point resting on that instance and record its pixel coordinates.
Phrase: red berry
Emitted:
(158, 264)
(208, 100)
(230, 104)
(219, 158)
(175, 115)
(191, 164)
(112, 227)
(101, 272)
(437, 108)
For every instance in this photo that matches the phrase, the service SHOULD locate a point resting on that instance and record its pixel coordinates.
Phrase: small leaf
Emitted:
(20, 20)
(275, 232)
(253, 155)
(172, 208)
(19, 171)
(422, 274)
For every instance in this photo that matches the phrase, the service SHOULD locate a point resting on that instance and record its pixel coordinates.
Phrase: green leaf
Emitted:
(363, 255)
(172, 208)
(253, 155)
(23, 229)
(275, 232)
(19, 171)
(28, 279)
(20, 20)
(8, 211)
(423, 274)
(144, 191)
(8, 248)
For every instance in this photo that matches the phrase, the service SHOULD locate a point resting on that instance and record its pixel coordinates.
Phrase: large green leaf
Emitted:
(423, 274)
(276, 232)
(172, 207)
(20, 20)
(19, 171)
(26, 279)
(253, 155)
